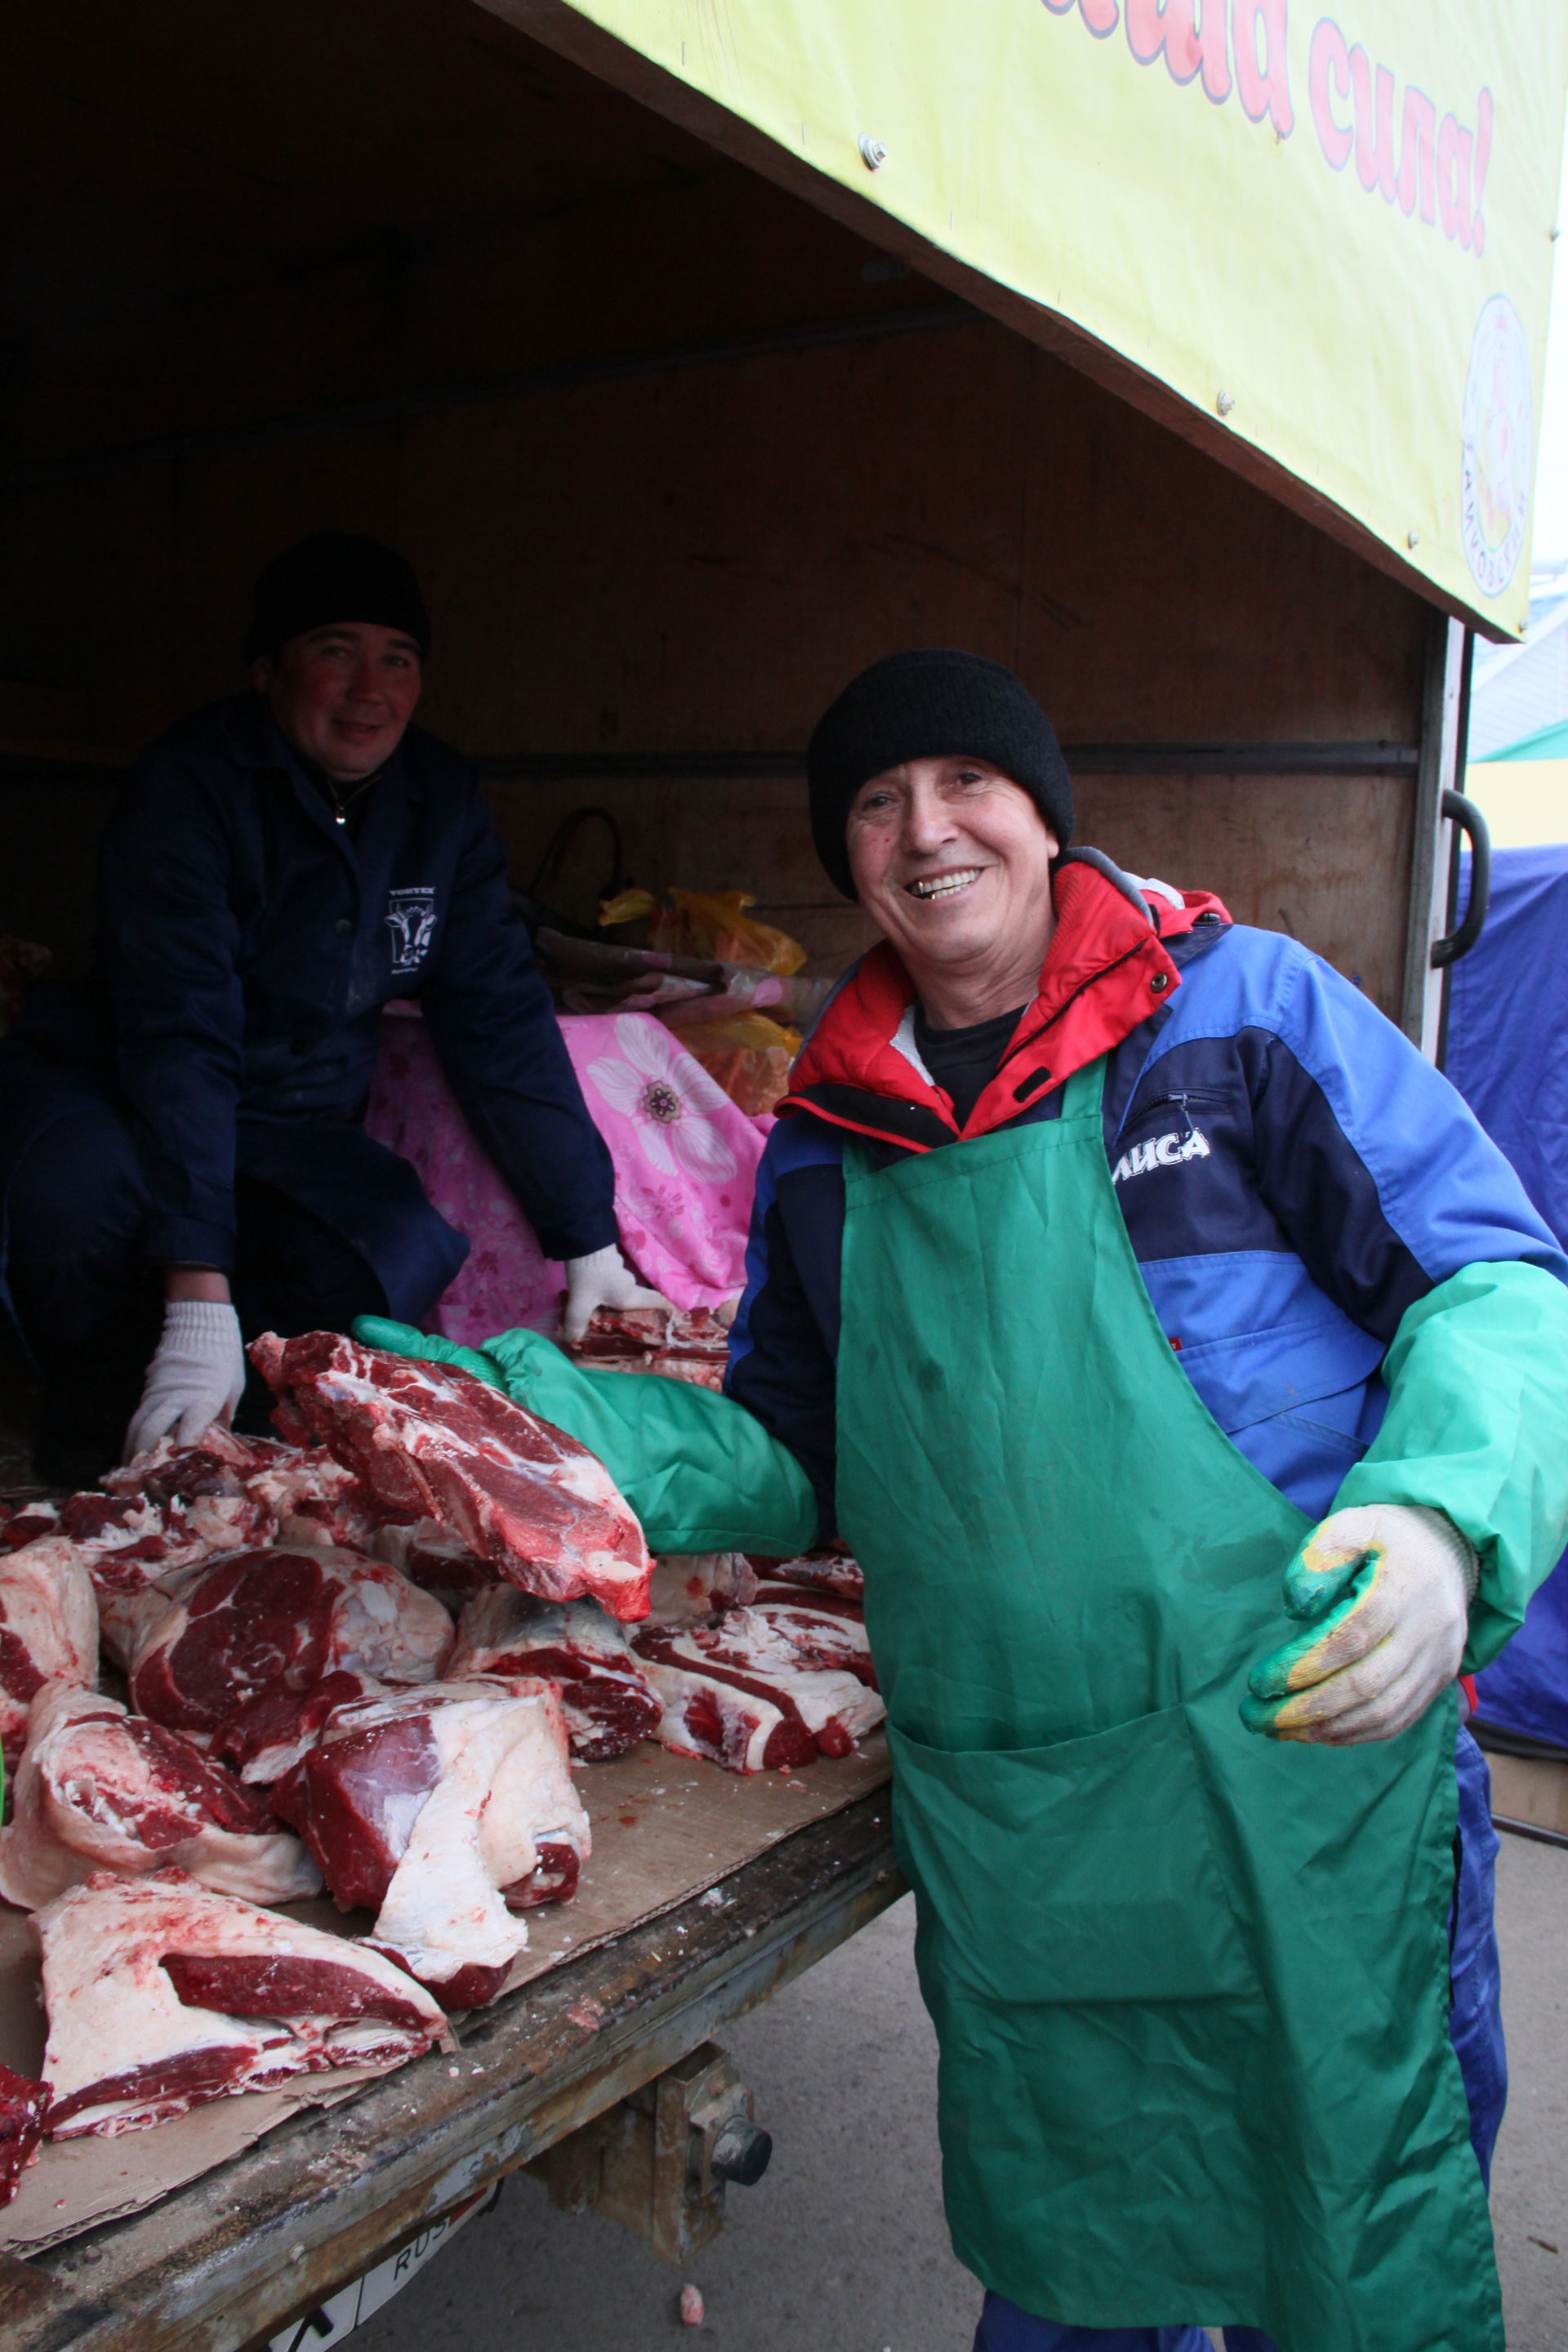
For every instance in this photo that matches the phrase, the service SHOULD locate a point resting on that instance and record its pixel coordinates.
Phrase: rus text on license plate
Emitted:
(352, 2305)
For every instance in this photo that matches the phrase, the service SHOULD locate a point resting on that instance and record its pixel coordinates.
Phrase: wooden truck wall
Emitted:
(674, 453)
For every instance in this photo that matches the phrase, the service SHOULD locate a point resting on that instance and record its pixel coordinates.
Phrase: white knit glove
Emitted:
(601, 1279)
(196, 1376)
(1387, 1588)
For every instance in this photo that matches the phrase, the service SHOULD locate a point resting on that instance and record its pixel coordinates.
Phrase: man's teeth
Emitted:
(941, 886)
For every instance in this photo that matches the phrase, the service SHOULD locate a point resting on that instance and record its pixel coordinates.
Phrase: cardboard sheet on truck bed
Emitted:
(666, 1828)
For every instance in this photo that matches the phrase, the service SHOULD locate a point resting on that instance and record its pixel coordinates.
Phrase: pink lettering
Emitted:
(1330, 60)
(1454, 150)
(1373, 125)
(1416, 143)
(1191, 44)
(1102, 16)
(1262, 71)
(1483, 157)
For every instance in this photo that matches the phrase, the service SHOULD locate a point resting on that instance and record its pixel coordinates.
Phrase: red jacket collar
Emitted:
(1106, 971)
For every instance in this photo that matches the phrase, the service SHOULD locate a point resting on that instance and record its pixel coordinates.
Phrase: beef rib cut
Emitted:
(677, 1343)
(254, 1618)
(23, 2107)
(445, 1811)
(431, 1442)
(820, 1631)
(737, 1692)
(48, 1631)
(98, 1789)
(161, 1994)
(604, 1693)
(818, 1571)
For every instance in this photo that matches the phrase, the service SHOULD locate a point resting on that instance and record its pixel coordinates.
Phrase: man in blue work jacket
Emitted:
(182, 1157)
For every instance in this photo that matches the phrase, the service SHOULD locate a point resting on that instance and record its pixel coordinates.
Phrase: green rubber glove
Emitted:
(700, 1472)
(403, 1340)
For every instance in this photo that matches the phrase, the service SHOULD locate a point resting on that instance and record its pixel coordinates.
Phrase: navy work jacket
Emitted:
(248, 946)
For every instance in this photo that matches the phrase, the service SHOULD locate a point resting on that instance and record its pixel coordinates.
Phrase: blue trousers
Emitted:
(1475, 2026)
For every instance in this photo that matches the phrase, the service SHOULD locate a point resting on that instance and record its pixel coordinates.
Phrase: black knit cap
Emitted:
(924, 706)
(335, 576)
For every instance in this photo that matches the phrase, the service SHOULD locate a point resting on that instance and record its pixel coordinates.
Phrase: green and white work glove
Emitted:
(1385, 1589)
(603, 1278)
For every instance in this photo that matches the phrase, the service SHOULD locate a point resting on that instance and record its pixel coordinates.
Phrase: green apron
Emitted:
(1189, 1986)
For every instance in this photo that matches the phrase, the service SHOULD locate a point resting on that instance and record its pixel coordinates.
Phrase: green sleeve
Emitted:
(1477, 1427)
(700, 1472)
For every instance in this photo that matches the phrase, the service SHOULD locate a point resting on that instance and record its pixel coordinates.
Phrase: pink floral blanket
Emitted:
(685, 1159)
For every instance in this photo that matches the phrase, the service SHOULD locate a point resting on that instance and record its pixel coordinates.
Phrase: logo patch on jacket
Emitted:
(1161, 1151)
(411, 920)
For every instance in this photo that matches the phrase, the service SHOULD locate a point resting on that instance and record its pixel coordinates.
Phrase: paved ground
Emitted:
(841, 2248)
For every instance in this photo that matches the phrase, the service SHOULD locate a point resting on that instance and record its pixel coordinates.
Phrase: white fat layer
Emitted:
(502, 1618)
(49, 1607)
(112, 2006)
(688, 1584)
(676, 1687)
(749, 1644)
(80, 1780)
(501, 1758)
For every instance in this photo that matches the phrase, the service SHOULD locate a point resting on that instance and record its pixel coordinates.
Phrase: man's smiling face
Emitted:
(952, 860)
(344, 696)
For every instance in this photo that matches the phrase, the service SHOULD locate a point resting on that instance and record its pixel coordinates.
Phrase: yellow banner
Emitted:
(1333, 231)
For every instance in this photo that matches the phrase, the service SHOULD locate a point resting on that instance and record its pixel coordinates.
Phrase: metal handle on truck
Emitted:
(1463, 812)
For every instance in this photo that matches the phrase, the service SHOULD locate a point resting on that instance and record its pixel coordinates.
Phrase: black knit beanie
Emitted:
(334, 576)
(922, 706)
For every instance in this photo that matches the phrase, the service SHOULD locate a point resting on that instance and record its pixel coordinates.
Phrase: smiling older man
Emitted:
(182, 1160)
(1190, 1376)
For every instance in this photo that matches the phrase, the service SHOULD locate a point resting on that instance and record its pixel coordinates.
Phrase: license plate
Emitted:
(341, 2313)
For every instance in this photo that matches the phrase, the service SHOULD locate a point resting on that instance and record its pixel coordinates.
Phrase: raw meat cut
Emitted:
(604, 1693)
(22, 1522)
(23, 2107)
(443, 1811)
(164, 1510)
(128, 1621)
(293, 1616)
(821, 1571)
(678, 1344)
(790, 1711)
(268, 1736)
(161, 1994)
(319, 1502)
(437, 1560)
(297, 1494)
(98, 1789)
(48, 1631)
(436, 1443)
(831, 1636)
(688, 1584)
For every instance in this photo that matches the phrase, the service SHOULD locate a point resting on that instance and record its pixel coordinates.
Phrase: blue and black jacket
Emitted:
(247, 945)
(1293, 1174)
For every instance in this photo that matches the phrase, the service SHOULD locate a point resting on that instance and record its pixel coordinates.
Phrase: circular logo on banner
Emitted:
(1494, 497)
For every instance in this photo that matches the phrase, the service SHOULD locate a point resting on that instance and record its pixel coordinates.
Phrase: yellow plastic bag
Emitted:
(715, 923)
(629, 907)
(745, 1052)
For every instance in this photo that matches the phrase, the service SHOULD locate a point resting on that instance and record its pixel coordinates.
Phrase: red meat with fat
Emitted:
(432, 1442)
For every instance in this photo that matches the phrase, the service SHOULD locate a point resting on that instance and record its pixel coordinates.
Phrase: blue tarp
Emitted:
(1507, 1055)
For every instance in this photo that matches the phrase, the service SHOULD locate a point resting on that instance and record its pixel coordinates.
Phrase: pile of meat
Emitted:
(366, 1657)
(690, 1344)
